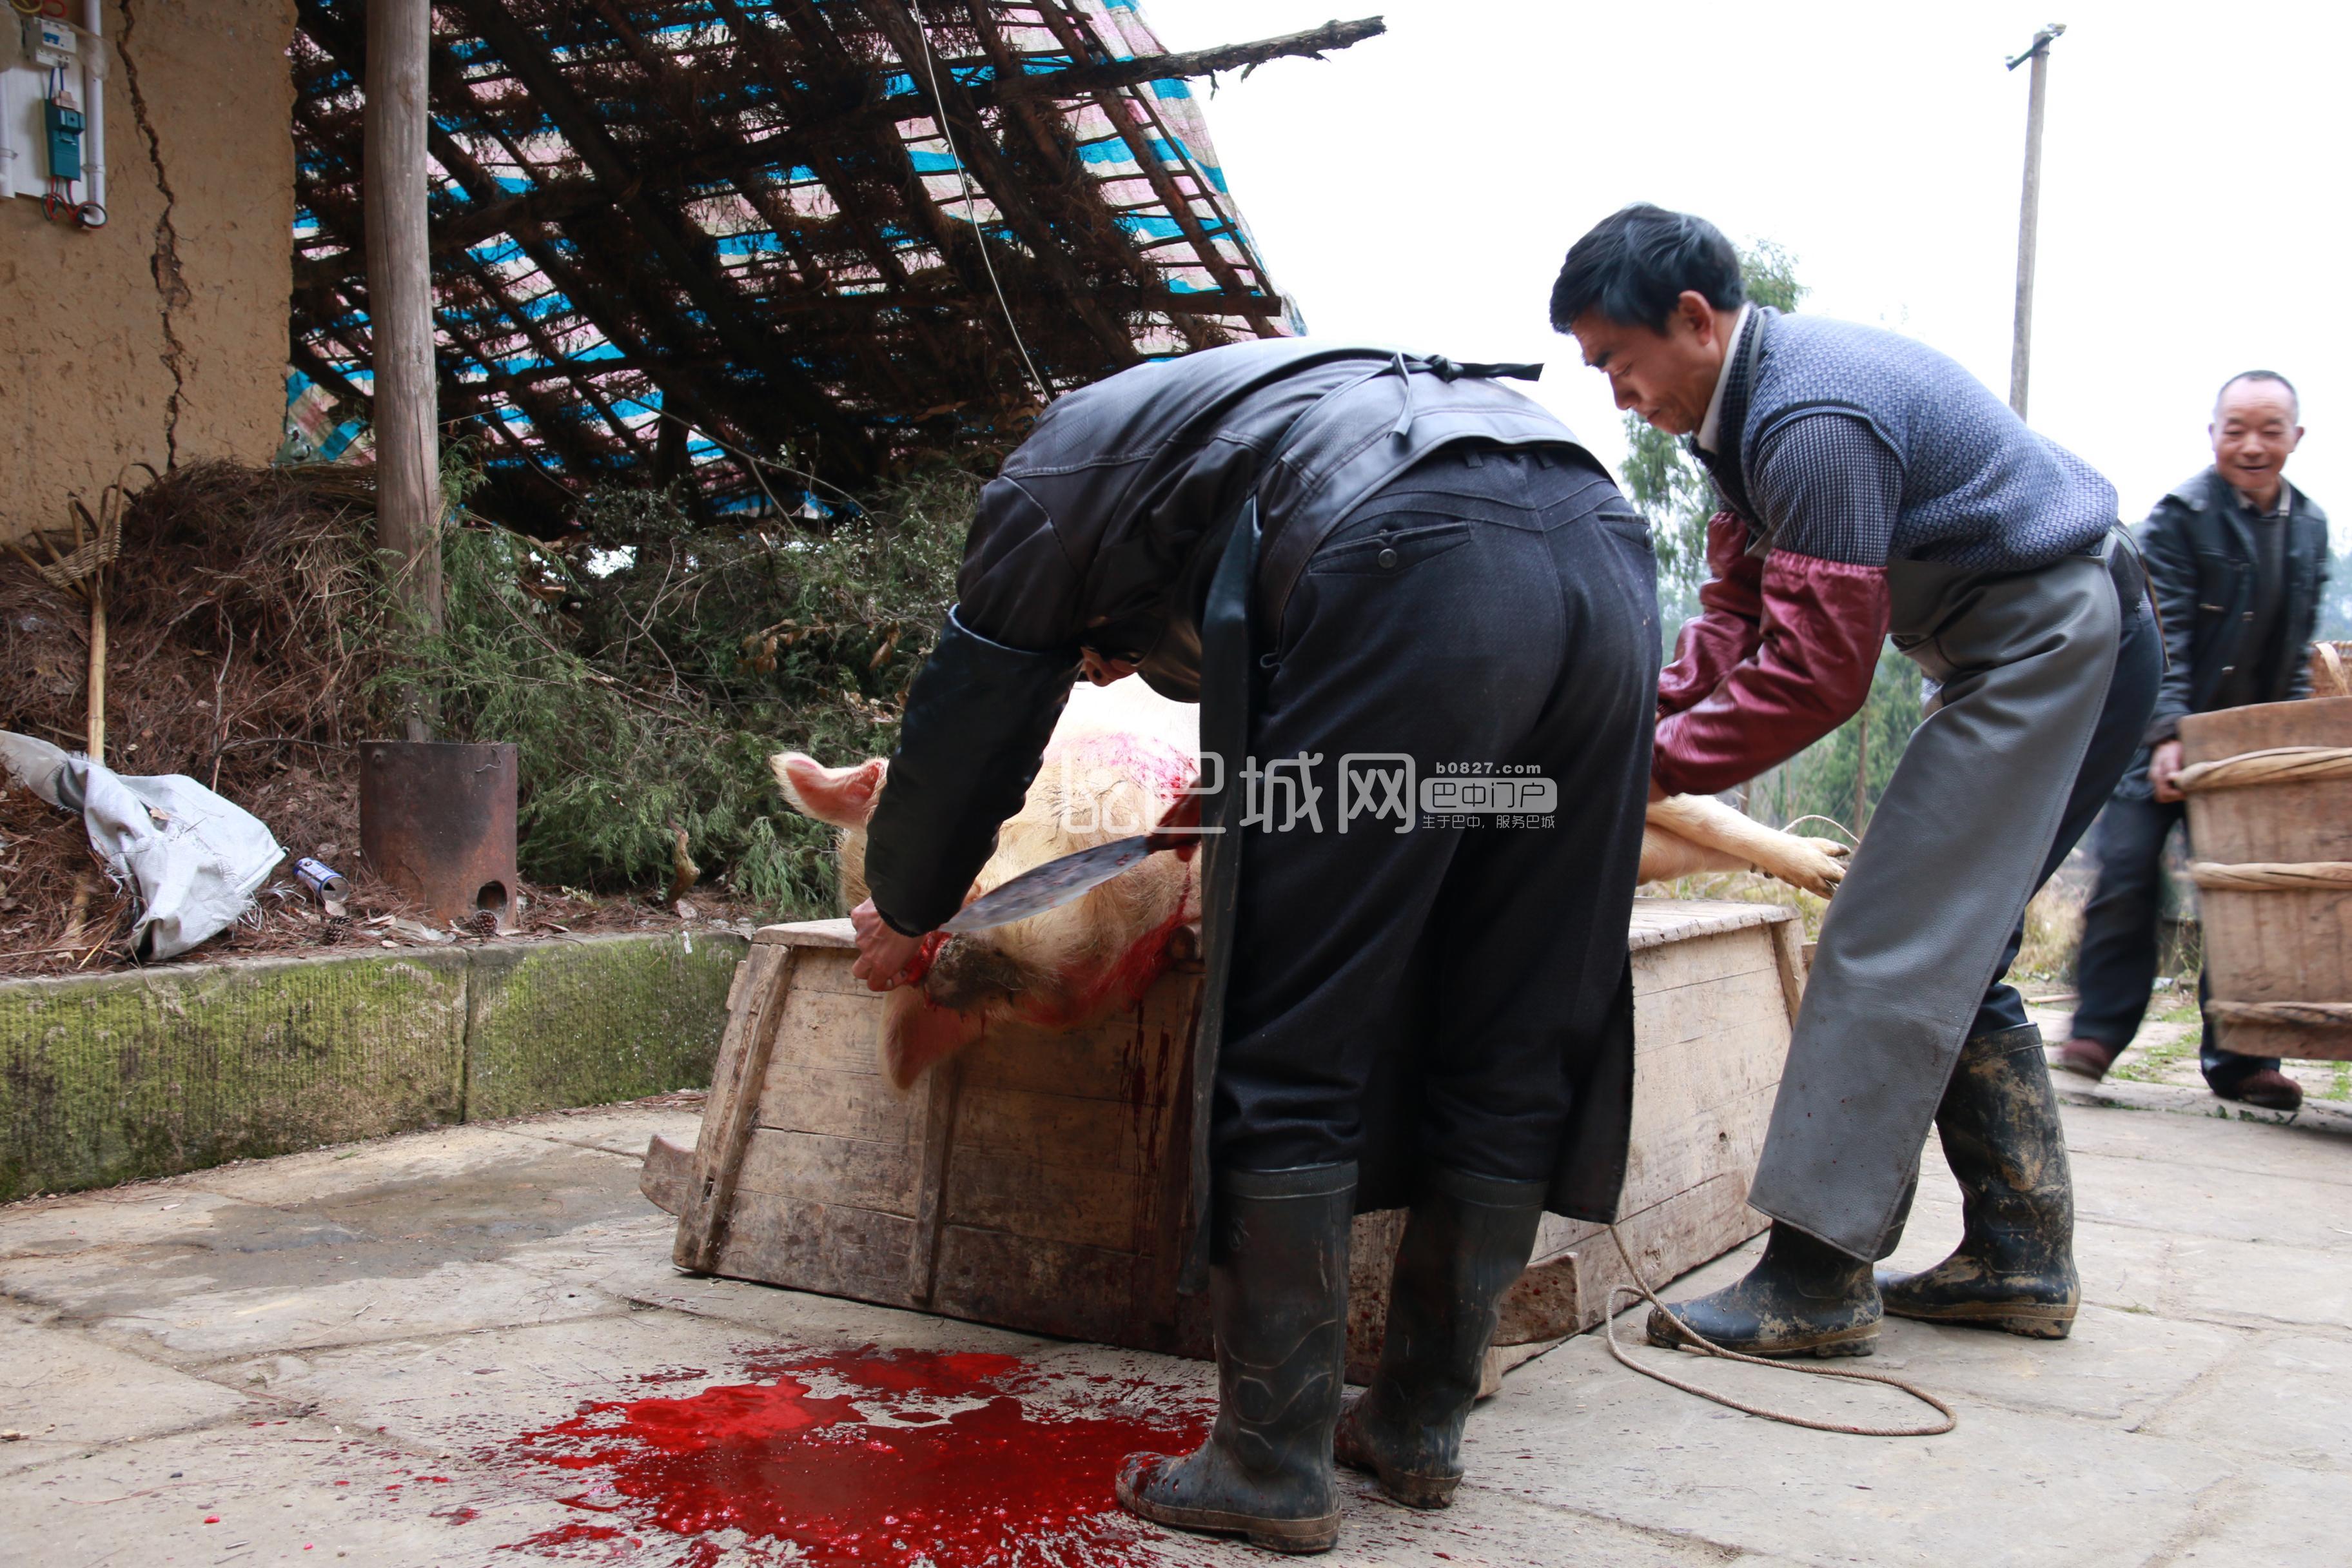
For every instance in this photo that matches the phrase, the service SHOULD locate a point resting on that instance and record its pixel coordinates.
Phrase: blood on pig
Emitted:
(1120, 756)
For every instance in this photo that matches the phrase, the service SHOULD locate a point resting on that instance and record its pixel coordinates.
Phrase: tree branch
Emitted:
(1081, 79)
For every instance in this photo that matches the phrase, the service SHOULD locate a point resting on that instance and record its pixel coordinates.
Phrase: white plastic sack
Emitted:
(194, 858)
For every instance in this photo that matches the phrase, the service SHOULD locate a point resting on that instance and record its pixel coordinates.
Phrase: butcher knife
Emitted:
(1057, 882)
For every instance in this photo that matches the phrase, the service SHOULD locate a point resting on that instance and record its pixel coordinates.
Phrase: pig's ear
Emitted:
(916, 1033)
(842, 797)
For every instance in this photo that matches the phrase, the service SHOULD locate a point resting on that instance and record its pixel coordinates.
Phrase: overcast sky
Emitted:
(1422, 187)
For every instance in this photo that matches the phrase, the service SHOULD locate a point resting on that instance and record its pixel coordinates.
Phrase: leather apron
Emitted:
(1915, 934)
(1228, 657)
(1228, 681)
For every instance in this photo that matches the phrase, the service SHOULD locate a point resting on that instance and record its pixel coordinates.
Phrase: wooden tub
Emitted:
(1039, 1180)
(2270, 822)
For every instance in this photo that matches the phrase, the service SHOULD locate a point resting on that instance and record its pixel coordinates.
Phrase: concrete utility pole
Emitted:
(400, 316)
(2029, 216)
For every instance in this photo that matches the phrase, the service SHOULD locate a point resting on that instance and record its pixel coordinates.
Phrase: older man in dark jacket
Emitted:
(1346, 555)
(2239, 557)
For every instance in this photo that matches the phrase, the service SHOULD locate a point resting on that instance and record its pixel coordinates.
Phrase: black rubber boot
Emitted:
(1278, 1302)
(2014, 1269)
(1803, 1298)
(1465, 1244)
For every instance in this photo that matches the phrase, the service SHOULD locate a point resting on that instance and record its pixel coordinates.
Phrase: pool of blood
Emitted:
(914, 1458)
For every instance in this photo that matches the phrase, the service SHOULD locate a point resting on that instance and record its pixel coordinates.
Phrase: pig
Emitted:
(1120, 758)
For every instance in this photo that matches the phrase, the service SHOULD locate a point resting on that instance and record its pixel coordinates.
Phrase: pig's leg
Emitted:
(1689, 833)
(1666, 856)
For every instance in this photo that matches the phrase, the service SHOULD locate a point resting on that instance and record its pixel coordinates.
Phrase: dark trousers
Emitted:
(2117, 966)
(2131, 696)
(1431, 994)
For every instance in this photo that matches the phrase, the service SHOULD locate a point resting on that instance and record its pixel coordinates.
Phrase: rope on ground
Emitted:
(1698, 1344)
(2272, 876)
(2278, 764)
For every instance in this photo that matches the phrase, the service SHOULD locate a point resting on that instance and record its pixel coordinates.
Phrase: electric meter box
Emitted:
(64, 127)
(51, 96)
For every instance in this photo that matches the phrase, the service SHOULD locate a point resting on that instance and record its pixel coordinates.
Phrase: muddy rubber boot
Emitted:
(1803, 1298)
(1465, 1244)
(1278, 1302)
(2014, 1268)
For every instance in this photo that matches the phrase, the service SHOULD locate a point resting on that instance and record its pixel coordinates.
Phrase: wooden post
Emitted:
(95, 737)
(400, 312)
(2029, 216)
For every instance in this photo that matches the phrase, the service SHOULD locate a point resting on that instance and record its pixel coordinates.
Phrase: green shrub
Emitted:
(647, 670)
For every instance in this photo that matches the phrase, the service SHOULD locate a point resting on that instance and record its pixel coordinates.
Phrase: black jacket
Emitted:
(1101, 531)
(2200, 559)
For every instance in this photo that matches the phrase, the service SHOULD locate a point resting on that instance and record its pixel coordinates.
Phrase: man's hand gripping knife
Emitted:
(888, 958)
(975, 729)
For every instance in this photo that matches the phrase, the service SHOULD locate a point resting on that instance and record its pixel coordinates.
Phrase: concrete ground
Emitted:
(2160, 1071)
(468, 1347)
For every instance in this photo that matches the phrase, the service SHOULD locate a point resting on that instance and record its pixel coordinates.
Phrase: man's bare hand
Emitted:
(2162, 764)
(883, 955)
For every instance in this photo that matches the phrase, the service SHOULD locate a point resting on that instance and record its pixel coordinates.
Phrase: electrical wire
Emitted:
(970, 213)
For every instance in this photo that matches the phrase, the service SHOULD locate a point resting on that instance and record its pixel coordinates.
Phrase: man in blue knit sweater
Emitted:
(1871, 486)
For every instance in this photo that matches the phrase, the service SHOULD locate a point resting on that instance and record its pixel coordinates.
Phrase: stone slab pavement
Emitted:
(468, 1347)
(2160, 1070)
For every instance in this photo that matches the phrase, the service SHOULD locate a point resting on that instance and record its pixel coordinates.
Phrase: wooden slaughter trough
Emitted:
(1039, 1180)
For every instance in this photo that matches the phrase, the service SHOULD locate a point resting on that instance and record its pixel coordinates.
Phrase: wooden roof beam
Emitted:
(998, 181)
(842, 441)
(826, 61)
(1114, 105)
(1045, 128)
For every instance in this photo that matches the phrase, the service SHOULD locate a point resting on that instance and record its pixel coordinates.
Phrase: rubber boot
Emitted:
(1465, 1244)
(1278, 1303)
(1803, 1298)
(2014, 1269)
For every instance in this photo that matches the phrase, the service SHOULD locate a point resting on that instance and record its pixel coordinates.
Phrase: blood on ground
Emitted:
(891, 1458)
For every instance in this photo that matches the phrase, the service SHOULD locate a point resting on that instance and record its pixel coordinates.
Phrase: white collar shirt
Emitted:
(1710, 428)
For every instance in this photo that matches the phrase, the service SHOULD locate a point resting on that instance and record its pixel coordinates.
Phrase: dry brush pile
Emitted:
(646, 666)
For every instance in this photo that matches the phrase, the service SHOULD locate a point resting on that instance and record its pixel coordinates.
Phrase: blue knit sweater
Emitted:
(1863, 445)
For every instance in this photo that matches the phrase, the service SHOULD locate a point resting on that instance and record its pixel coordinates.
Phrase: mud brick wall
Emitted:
(160, 338)
(119, 1077)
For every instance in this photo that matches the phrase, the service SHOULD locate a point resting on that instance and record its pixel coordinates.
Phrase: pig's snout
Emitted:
(968, 976)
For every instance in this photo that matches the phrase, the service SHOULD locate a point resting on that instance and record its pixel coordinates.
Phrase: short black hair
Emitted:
(1635, 263)
(2293, 396)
